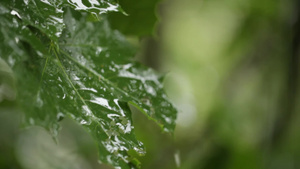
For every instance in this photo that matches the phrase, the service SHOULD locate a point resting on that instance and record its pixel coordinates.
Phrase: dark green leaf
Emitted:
(47, 15)
(140, 18)
(81, 69)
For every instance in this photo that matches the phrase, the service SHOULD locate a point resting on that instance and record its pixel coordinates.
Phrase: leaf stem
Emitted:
(66, 75)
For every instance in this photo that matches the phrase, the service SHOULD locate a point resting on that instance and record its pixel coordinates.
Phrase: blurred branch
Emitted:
(288, 100)
(151, 53)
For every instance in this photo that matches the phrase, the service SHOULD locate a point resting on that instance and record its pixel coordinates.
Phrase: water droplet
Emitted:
(39, 53)
(26, 2)
(13, 12)
(89, 89)
(60, 116)
(101, 101)
(139, 151)
(151, 90)
(17, 40)
(83, 122)
(86, 110)
(128, 128)
(98, 50)
(46, 2)
(59, 79)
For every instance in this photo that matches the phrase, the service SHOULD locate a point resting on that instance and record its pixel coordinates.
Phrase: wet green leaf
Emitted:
(74, 66)
(47, 15)
(140, 18)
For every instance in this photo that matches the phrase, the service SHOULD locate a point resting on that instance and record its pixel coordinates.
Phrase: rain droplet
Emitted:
(60, 116)
(13, 12)
(83, 122)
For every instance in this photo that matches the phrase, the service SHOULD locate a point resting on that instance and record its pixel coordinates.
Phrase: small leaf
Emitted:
(140, 17)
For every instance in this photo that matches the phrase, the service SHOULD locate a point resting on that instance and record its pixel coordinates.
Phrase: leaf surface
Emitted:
(81, 69)
(140, 18)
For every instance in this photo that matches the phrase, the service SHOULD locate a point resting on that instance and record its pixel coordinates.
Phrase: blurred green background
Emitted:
(233, 72)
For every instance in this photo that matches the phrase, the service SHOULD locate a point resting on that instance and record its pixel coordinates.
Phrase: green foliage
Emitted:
(139, 19)
(66, 61)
